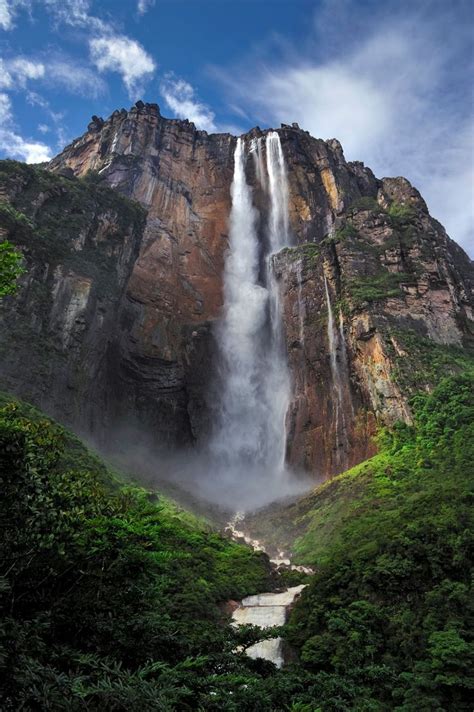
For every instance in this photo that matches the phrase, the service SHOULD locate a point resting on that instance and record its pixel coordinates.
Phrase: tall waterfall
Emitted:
(249, 436)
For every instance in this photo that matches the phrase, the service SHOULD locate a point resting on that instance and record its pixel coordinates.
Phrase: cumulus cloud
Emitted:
(181, 98)
(126, 57)
(14, 145)
(391, 94)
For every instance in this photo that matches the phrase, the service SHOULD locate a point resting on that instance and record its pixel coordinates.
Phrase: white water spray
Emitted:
(278, 189)
(256, 149)
(250, 435)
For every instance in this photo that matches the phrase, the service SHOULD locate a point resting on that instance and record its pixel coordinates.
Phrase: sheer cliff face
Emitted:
(391, 273)
(59, 334)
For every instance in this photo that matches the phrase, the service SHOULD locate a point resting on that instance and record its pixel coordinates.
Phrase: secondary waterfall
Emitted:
(249, 436)
(339, 377)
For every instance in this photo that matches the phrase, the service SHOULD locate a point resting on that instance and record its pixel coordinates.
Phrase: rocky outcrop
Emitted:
(390, 271)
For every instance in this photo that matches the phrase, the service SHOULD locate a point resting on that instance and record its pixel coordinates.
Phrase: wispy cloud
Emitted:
(58, 70)
(6, 15)
(14, 145)
(144, 5)
(15, 73)
(76, 13)
(181, 98)
(390, 92)
(8, 11)
(126, 57)
(74, 77)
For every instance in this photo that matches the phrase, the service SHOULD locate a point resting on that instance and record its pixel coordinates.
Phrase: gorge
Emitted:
(282, 343)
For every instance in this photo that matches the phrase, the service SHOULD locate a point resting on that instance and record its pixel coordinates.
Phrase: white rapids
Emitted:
(266, 610)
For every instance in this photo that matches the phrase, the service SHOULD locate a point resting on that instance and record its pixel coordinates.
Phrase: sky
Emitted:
(391, 80)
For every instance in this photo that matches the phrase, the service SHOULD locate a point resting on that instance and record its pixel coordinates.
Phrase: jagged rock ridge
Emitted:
(390, 269)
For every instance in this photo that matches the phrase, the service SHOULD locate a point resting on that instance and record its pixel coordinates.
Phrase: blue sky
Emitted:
(391, 80)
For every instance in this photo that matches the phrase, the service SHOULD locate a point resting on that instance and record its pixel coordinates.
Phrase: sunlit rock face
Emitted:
(387, 271)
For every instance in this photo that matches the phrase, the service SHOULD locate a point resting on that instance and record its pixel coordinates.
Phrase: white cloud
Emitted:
(8, 11)
(15, 73)
(74, 77)
(126, 57)
(14, 145)
(144, 5)
(76, 14)
(5, 109)
(180, 97)
(391, 96)
(6, 15)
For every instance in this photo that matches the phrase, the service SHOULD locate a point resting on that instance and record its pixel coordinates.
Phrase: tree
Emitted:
(10, 268)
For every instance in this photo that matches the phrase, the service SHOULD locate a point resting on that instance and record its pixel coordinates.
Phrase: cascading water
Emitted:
(256, 149)
(240, 435)
(278, 223)
(249, 437)
(278, 377)
(336, 340)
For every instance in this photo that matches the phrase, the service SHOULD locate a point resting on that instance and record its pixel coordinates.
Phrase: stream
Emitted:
(265, 610)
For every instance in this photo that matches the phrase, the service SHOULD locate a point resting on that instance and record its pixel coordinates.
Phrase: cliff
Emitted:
(371, 286)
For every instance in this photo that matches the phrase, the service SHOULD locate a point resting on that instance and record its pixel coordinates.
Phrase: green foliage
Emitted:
(365, 203)
(64, 230)
(10, 268)
(347, 231)
(388, 617)
(376, 287)
(400, 214)
(421, 362)
(109, 595)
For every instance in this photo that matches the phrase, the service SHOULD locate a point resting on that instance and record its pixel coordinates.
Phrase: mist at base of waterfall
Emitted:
(197, 480)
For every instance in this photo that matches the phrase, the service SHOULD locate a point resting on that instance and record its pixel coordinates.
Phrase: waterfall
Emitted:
(278, 188)
(256, 149)
(278, 377)
(249, 435)
(339, 378)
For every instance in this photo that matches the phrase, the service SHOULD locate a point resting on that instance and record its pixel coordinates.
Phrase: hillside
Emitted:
(110, 592)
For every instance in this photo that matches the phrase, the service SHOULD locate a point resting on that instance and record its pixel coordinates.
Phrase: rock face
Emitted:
(388, 268)
(60, 334)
